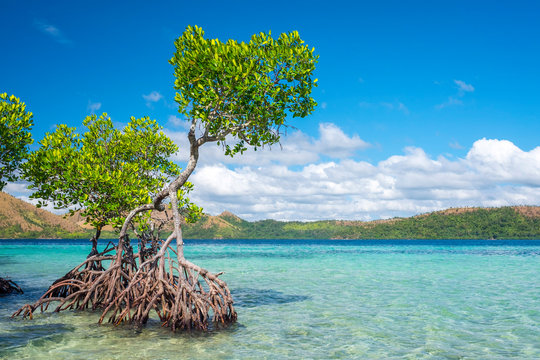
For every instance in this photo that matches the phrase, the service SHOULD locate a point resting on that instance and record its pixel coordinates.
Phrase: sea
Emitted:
(306, 299)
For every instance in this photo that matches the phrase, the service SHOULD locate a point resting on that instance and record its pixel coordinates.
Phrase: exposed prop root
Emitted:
(8, 286)
(183, 295)
(85, 273)
(86, 286)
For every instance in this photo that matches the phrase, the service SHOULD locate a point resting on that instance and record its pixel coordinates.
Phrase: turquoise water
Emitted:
(307, 299)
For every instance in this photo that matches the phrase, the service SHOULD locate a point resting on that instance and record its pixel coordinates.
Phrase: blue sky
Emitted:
(408, 92)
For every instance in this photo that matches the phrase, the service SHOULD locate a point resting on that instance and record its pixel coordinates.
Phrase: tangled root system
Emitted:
(183, 295)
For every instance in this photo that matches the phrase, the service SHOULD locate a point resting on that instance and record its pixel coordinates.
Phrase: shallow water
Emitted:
(307, 299)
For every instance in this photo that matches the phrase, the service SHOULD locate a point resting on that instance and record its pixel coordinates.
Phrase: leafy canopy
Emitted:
(243, 89)
(15, 136)
(104, 172)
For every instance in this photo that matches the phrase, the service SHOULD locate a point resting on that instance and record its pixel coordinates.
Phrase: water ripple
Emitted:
(308, 299)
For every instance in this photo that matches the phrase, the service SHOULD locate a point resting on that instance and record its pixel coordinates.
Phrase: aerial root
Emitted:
(183, 295)
(83, 287)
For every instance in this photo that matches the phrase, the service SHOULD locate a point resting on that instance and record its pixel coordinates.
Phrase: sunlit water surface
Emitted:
(307, 299)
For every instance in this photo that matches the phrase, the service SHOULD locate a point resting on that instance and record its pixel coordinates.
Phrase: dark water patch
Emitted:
(252, 254)
(38, 335)
(288, 242)
(314, 251)
(250, 297)
(10, 295)
(7, 260)
(435, 251)
(13, 302)
(386, 242)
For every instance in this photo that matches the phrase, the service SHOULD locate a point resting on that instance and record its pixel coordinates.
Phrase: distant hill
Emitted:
(19, 219)
(517, 222)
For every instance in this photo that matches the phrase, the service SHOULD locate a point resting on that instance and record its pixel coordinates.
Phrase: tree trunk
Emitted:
(94, 242)
(182, 294)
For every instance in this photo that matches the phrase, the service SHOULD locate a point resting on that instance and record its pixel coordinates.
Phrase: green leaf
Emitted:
(255, 82)
(15, 125)
(104, 171)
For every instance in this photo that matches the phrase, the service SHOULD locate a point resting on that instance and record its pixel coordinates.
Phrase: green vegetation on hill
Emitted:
(19, 220)
(500, 223)
(22, 220)
(50, 232)
(495, 223)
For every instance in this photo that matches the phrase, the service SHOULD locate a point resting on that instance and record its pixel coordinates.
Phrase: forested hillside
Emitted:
(465, 223)
(19, 219)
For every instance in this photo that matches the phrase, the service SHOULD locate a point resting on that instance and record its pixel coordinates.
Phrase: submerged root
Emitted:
(8, 286)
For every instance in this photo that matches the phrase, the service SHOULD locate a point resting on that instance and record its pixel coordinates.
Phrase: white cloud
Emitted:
(17, 188)
(335, 143)
(21, 191)
(503, 161)
(298, 182)
(296, 148)
(52, 31)
(324, 105)
(463, 86)
(153, 97)
(494, 173)
(177, 122)
(93, 106)
(49, 207)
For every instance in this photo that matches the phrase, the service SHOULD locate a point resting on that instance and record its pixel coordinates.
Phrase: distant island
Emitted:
(21, 220)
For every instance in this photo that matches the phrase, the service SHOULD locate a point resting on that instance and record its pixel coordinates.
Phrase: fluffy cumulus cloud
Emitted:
(335, 143)
(493, 173)
(502, 161)
(296, 148)
(311, 178)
